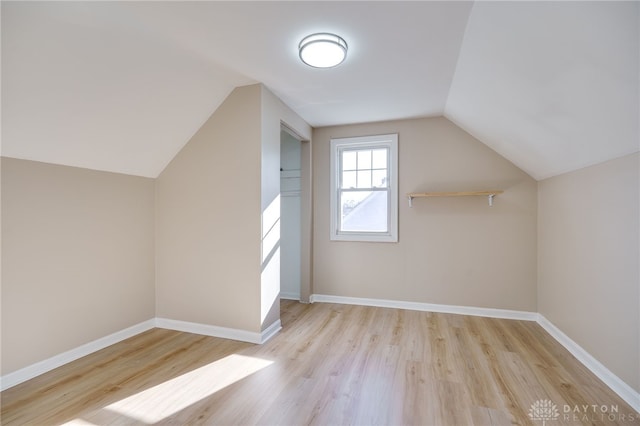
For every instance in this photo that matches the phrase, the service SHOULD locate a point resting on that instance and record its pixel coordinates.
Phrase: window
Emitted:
(364, 188)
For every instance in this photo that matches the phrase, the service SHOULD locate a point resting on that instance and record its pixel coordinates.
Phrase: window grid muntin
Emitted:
(370, 188)
(388, 141)
(358, 169)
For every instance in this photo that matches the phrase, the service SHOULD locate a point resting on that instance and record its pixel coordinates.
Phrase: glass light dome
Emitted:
(323, 50)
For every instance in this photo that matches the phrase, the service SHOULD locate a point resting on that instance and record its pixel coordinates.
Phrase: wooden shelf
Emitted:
(488, 194)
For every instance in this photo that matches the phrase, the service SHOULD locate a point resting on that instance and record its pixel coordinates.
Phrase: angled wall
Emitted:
(77, 258)
(208, 221)
(588, 251)
(218, 211)
(82, 250)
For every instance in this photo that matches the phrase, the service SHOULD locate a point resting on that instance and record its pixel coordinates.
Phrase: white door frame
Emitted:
(306, 215)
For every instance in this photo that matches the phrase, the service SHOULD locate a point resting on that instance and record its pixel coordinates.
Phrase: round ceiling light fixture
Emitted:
(322, 50)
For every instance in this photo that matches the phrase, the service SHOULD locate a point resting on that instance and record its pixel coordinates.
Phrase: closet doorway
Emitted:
(295, 216)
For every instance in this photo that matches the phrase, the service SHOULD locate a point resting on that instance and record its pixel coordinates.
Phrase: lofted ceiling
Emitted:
(122, 86)
(552, 86)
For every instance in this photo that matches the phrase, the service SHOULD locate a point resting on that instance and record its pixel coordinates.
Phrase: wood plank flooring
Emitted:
(330, 365)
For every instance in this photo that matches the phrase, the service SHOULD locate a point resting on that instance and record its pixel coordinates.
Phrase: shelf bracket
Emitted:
(410, 201)
(490, 199)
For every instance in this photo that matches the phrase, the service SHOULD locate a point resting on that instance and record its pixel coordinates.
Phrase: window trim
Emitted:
(389, 141)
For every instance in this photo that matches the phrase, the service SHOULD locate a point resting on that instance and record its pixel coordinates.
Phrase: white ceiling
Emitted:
(122, 86)
(552, 86)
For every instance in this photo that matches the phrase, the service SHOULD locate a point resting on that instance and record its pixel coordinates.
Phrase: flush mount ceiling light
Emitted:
(323, 50)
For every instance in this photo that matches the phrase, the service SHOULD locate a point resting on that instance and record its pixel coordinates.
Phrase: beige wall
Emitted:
(77, 257)
(274, 114)
(208, 221)
(588, 239)
(211, 201)
(454, 251)
(81, 249)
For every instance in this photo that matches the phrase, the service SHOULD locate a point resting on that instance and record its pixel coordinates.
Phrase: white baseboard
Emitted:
(223, 332)
(627, 393)
(427, 307)
(9, 380)
(623, 390)
(270, 331)
(603, 373)
(289, 296)
(33, 370)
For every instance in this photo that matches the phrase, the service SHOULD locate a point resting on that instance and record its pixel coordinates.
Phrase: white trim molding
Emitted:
(33, 370)
(222, 332)
(339, 146)
(270, 331)
(616, 384)
(628, 394)
(12, 379)
(289, 295)
(427, 307)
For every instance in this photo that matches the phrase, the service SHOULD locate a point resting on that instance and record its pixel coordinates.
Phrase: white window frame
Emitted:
(339, 145)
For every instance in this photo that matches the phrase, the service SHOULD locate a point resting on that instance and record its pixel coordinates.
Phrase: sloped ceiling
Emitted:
(552, 86)
(122, 86)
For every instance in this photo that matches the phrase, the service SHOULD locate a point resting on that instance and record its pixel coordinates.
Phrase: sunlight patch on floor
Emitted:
(168, 398)
(79, 422)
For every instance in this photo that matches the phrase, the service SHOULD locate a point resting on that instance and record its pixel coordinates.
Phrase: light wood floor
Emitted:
(330, 365)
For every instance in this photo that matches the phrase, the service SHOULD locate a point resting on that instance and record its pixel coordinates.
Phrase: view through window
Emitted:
(364, 188)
